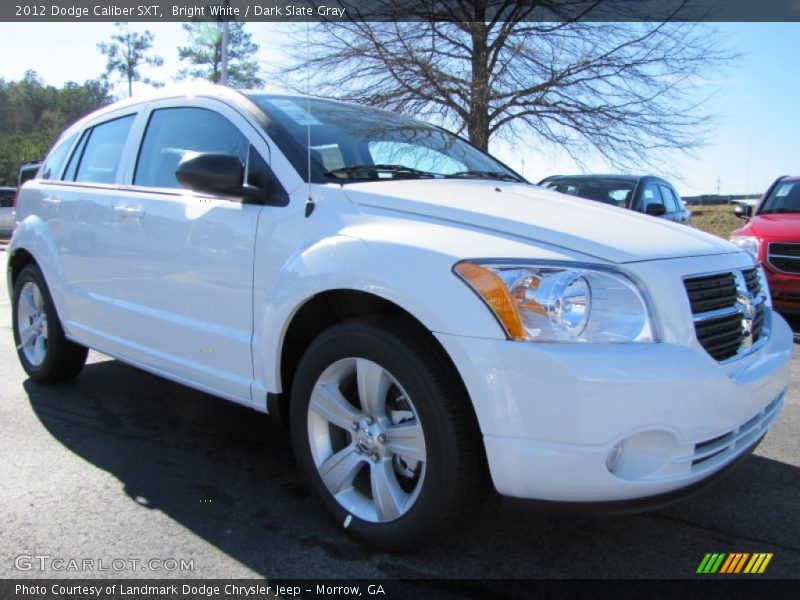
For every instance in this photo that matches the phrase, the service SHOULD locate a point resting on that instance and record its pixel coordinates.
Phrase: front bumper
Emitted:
(551, 414)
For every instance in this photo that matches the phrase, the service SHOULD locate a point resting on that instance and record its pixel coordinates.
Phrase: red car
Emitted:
(772, 236)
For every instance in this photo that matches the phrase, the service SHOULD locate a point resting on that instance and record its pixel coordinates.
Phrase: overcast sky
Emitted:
(757, 139)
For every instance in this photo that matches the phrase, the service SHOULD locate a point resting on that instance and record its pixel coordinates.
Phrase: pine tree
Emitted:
(127, 53)
(204, 54)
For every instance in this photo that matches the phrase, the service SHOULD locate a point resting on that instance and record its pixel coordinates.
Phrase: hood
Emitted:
(778, 227)
(605, 232)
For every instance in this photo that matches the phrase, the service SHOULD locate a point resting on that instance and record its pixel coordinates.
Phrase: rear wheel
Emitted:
(383, 432)
(45, 353)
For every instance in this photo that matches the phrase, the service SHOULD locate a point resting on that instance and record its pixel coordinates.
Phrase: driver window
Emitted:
(651, 195)
(172, 133)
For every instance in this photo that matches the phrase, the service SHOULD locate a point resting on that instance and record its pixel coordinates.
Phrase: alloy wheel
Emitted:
(367, 441)
(32, 324)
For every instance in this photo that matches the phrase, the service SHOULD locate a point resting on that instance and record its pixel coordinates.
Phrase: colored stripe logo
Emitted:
(734, 563)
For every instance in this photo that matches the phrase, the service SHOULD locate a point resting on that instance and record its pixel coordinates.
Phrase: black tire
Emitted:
(455, 474)
(63, 359)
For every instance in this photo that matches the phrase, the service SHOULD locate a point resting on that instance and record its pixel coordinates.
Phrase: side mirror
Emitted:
(655, 210)
(743, 211)
(215, 174)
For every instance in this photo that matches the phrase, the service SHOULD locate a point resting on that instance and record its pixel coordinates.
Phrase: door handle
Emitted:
(51, 201)
(128, 212)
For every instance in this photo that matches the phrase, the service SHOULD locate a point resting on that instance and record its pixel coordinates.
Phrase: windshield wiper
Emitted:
(496, 175)
(372, 171)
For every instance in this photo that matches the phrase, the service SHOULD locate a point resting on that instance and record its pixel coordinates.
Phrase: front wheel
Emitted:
(383, 432)
(43, 350)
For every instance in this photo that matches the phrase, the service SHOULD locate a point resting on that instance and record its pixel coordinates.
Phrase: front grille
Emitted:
(753, 281)
(710, 453)
(726, 324)
(784, 257)
(721, 337)
(711, 293)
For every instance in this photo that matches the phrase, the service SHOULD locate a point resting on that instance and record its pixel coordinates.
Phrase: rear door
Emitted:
(76, 201)
(184, 298)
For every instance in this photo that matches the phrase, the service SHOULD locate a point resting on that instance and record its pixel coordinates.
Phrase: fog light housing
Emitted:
(642, 455)
(614, 457)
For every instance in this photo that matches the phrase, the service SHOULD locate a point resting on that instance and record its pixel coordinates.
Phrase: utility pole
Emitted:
(224, 78)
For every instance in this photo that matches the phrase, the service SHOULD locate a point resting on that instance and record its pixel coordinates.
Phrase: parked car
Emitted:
(7, 195)
(648, 194)
(772, 236)
(28, 171)
(422, 318)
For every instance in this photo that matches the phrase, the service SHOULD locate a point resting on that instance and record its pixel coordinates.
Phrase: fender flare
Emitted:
(347, 263)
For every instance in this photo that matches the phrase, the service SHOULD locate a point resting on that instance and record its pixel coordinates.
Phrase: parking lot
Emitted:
(119, 464)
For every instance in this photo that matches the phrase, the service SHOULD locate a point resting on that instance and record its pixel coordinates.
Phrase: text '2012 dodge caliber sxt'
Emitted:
(423, 319)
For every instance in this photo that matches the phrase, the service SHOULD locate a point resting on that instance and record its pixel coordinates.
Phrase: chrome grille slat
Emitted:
(711, 293)
(721, 307)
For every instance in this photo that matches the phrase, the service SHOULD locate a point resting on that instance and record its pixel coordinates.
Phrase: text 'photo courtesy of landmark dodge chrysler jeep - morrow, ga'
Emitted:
(423, 319)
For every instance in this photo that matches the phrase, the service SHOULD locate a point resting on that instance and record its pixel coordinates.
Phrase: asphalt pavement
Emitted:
(119, 465)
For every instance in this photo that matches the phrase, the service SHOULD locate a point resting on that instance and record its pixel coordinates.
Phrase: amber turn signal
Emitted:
(495, 293)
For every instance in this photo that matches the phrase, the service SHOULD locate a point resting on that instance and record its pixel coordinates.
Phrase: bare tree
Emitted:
(627, 90)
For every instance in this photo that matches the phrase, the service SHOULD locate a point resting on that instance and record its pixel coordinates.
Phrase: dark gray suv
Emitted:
(646, 194)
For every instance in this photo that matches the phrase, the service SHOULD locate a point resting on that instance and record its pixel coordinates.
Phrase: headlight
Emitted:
(561, 303)
(747, 243)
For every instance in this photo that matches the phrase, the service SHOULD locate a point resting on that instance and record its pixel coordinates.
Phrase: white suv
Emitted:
(422, 318)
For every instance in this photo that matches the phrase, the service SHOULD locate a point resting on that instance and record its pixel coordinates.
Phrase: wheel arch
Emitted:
(18, 260)
(326, 309)
(33, 243)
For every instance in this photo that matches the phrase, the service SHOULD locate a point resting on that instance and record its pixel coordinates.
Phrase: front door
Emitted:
(185, 299)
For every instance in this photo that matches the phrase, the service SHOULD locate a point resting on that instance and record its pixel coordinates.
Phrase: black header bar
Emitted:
(401, 10)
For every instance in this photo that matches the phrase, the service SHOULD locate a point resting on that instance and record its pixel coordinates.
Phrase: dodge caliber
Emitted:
(423, 320)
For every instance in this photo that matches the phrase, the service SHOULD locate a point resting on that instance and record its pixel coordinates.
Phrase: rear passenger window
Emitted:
(6, 199)
(102, 151)
(174, 132)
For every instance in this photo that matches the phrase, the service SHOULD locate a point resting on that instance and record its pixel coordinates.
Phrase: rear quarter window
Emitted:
(53, 166)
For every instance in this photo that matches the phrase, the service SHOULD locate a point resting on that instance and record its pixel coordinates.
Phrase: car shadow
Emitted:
(227, 474)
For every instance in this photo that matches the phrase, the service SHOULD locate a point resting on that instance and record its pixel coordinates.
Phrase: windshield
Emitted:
(353, 143)
(784, 197)
(616, 192)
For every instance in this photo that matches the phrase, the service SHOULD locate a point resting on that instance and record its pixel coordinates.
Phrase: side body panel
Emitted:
(183, 277)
